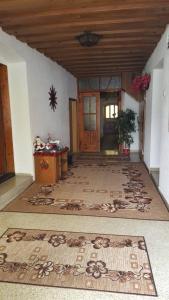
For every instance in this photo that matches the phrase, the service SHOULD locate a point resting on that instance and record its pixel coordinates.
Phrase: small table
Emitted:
(50, 166)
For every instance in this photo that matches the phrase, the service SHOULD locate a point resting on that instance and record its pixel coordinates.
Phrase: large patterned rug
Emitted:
(111, 189)
(76, 260)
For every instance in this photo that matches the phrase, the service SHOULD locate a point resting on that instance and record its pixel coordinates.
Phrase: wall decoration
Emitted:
(52, 98)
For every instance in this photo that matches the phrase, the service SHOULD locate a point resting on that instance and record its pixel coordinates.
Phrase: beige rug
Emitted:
(123, 190)
(76, 260)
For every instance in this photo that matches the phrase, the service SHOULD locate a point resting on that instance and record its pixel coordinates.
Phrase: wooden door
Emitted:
(6, 147)
(89, 122)
(2, 143)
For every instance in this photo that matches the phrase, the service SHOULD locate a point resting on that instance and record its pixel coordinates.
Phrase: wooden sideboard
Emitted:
(50, 166)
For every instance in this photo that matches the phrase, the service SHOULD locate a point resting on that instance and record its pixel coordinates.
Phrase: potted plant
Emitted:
(141, 83)
(125, 124)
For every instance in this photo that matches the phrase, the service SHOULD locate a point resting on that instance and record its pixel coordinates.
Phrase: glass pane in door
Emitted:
(89, 113)
(87, 122)
(93, 105)
(86, 104)
(93, 122)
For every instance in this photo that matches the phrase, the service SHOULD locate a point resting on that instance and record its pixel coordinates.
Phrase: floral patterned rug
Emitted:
(123, 190)
(76, 260)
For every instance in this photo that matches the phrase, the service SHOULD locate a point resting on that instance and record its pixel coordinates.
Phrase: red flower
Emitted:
(141, 83)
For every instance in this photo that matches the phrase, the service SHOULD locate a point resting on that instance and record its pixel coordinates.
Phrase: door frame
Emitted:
(73, 125)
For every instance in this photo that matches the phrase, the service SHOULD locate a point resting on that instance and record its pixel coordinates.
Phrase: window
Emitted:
(89, 111)
(111, 111)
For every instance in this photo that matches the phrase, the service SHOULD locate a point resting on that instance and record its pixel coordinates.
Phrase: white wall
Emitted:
(155, 150)
(20, 117)
(147, 125)
(153, 119)
(161, 53)
(129, 102)
(31, 75)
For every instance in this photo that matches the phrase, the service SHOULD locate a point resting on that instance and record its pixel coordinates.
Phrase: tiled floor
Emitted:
(13, 187)
(156, 234)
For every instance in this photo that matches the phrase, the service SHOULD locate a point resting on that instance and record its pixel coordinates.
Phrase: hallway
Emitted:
(84, 149)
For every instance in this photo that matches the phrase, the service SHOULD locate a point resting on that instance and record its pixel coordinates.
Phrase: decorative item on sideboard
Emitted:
(38, 144)
(50, 145)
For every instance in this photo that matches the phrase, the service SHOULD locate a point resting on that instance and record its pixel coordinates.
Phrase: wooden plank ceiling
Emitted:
(130, 30)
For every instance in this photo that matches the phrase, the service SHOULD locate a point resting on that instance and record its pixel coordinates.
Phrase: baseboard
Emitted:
(165, 201)
(154, 170)
(134, 151)
(148, 170)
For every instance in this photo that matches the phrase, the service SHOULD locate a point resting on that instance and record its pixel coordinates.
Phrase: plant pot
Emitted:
(126, 151)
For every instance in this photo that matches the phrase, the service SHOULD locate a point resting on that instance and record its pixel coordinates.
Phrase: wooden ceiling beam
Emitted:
(109, 64)
(98, 51)
(101, 54)
(131, 47)
(142, 63)
(71, 39)
(87, 75)
(114, 70)
(60, 34)
(85, 25)
(98, 69)
(77, 49)
(104, 60)
(106, 72)
(32, 6)
(104, 66)
(90, 18)
(72, 62)
(54, 11)
(82, 59)
(126, 28)
(74, 42)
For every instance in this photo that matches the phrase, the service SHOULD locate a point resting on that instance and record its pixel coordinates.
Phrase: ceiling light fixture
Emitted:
(88, 39)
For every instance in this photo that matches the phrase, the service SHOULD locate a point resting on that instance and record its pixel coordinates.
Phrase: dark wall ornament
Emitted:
(52, 98)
